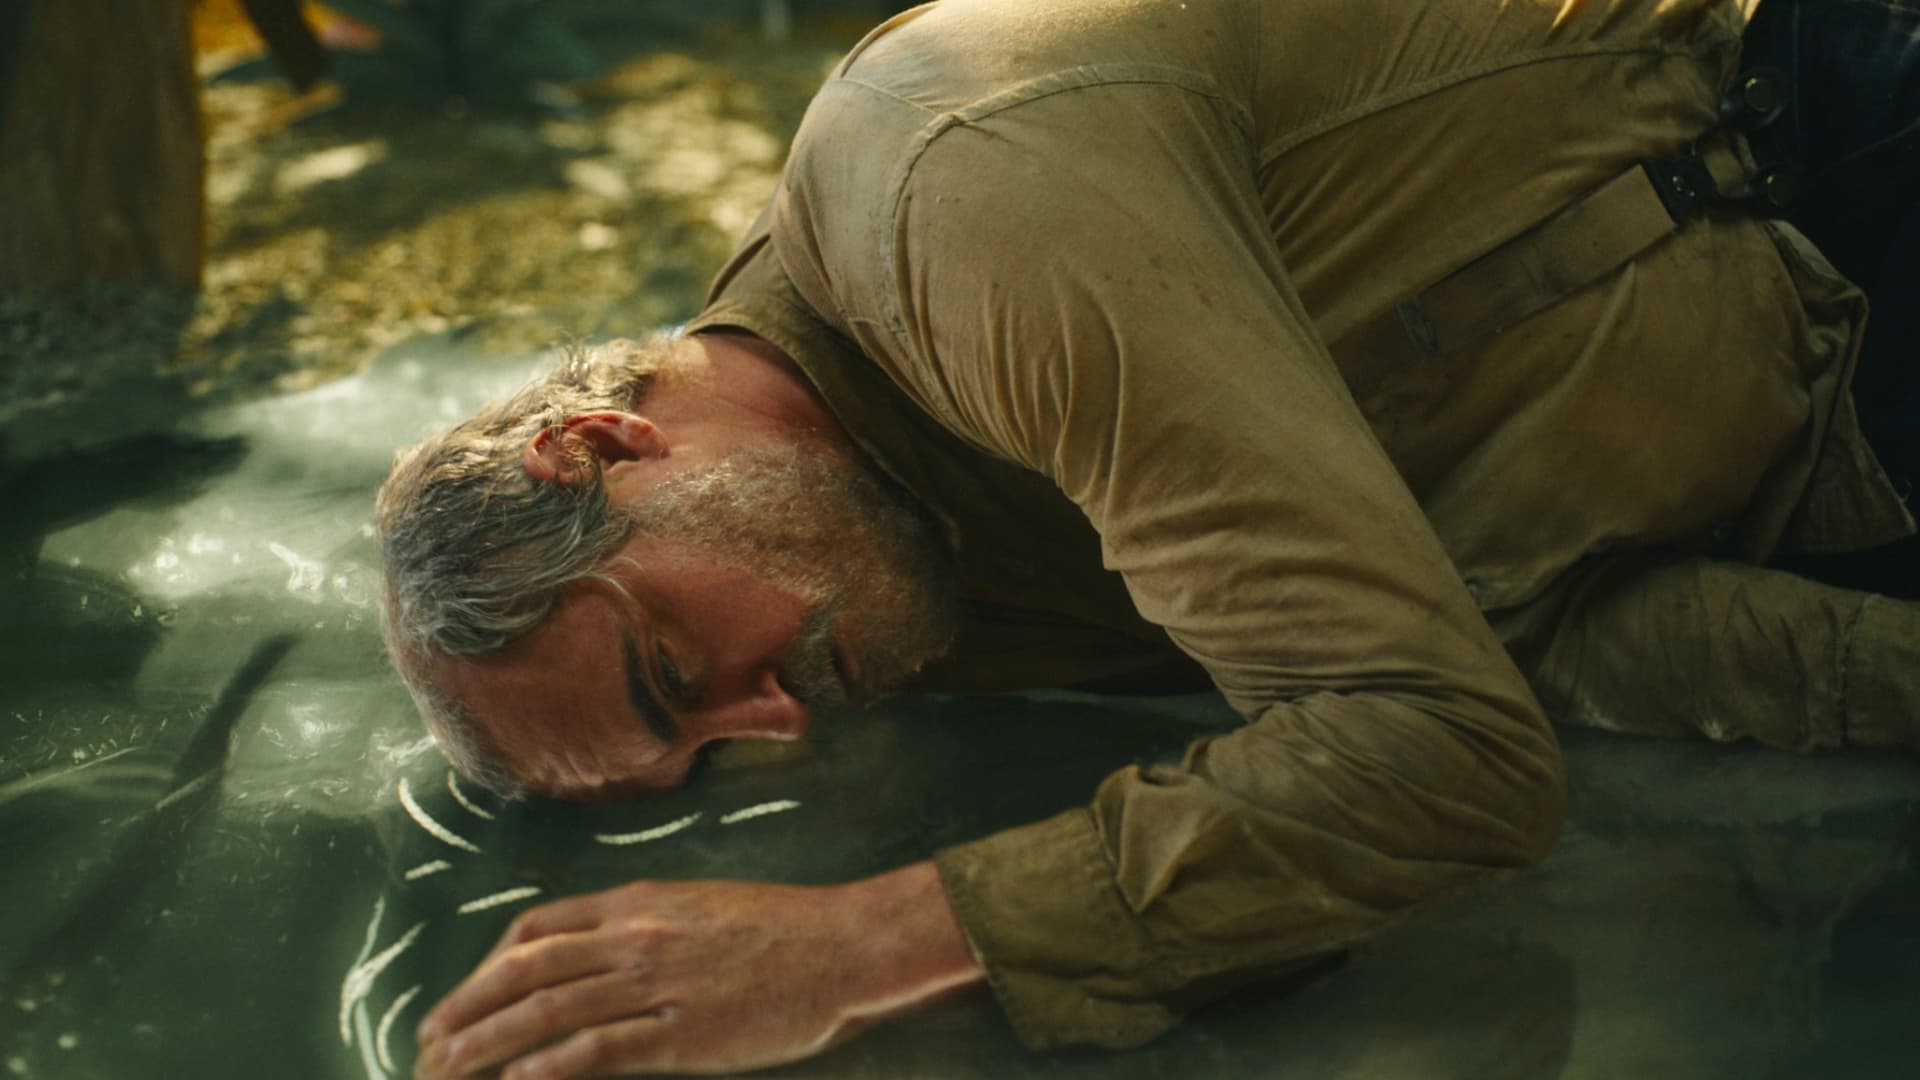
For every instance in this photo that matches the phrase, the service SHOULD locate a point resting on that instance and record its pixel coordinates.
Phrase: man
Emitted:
(1118, 342)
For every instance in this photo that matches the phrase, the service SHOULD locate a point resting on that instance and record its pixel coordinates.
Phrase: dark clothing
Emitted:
(1854, 134)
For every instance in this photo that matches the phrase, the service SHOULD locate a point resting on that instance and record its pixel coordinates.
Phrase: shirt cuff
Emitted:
(1040, 908)
(1881, 705)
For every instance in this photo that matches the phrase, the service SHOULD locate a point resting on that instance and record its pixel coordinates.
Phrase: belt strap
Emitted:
(1570, 250)
(1577, 246)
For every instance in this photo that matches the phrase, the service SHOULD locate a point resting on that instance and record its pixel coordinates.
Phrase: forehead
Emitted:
(555, 701)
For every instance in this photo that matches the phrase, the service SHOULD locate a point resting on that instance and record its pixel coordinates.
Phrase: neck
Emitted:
(737, 376)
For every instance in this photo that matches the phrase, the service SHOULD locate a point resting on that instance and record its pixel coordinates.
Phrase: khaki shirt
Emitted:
(1069, 272)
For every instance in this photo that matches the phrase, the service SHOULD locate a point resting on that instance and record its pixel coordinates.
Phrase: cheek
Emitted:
(742, 621)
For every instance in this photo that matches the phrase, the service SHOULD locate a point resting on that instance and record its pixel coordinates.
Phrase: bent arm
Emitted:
(1111, 312)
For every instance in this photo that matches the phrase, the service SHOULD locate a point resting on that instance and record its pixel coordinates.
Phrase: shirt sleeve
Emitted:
(1086, 284)
(1656, 644)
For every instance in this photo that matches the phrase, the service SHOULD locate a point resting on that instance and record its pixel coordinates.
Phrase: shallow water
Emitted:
(229, 852)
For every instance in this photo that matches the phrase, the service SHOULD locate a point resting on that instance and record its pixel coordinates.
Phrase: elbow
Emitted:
(1539, 834)
(1497, 787)
(1537, 804)
(1504, 774)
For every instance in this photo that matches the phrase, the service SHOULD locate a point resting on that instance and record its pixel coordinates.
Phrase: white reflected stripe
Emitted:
(346, 986)
(453, 785)
(373, 930)
(644, 835)
(779, 806)
(380, 1035)
(435, 829)
(507, 897)
(364, 1029)
(426, 868)
(359, 981)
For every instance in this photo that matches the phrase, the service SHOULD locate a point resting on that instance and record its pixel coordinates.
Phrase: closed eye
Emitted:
(672, 683)
(640, 694)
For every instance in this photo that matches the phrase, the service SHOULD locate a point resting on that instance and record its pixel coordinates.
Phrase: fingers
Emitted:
(561, 917)
(509, 975)
(536, 1019)
(609, 1050)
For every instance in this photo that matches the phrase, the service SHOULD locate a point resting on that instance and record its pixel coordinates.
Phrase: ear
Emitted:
(559, 455)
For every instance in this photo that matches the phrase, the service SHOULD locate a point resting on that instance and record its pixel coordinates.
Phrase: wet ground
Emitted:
(228, 851)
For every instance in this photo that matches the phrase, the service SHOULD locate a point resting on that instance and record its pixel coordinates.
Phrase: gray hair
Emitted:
(461, 741)
(477, 552)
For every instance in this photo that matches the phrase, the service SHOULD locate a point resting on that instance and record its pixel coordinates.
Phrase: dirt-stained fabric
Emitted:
(1068, 272)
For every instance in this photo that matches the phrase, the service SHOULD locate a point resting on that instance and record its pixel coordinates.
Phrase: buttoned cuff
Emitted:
(1040, 908)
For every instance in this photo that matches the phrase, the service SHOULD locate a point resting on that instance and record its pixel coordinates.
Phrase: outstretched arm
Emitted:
(699, 977)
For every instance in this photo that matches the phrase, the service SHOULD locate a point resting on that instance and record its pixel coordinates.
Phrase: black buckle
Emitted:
(1685, 184)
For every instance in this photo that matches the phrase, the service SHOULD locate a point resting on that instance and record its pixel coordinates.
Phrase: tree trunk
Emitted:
(100, 153)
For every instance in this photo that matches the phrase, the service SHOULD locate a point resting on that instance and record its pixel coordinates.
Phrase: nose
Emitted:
(762, 710)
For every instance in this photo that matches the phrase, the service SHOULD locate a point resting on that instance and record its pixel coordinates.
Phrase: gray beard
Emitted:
(853, 547)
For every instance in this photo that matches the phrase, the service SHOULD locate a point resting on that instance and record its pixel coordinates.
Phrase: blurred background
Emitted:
(248, 249)
(516, 170)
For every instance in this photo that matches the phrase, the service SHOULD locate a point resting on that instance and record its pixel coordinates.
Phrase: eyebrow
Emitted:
(640, 693)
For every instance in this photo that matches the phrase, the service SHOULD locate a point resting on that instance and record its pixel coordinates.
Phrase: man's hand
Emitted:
(702, 976)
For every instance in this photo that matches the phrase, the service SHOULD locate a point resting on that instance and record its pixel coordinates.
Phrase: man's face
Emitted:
(755, 594)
